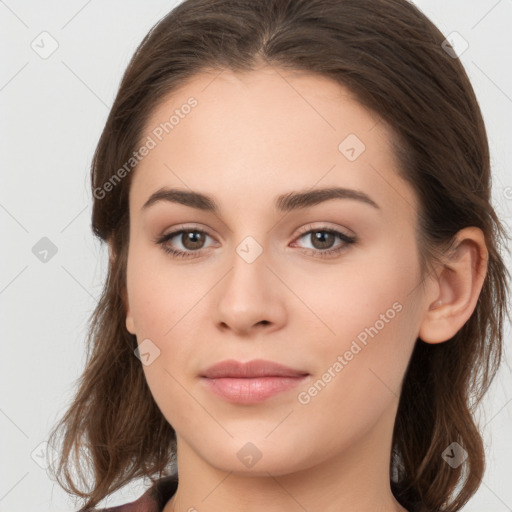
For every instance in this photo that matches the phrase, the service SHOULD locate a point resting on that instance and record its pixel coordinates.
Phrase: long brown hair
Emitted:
(393, 59)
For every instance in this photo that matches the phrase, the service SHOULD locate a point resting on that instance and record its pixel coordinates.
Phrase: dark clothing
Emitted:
(156, 497)
(153, 500)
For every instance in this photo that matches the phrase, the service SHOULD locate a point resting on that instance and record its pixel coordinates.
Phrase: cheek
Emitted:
(163, 306)
(359, 374)
(367, 292)
(372, 314)
(158, 295)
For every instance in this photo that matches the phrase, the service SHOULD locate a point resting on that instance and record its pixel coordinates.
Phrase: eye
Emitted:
(192, 241)
(323, 239)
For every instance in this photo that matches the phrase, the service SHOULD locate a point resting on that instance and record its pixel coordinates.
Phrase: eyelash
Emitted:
(348, 240)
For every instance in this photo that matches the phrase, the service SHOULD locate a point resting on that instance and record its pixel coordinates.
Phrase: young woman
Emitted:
(305, 299)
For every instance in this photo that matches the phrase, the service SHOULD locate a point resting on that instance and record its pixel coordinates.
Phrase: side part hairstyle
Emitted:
(390, 56)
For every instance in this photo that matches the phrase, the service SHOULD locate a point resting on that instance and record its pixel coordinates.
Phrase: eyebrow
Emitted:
(283, 203)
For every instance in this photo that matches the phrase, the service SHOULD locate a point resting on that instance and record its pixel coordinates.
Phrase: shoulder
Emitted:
(153, 500)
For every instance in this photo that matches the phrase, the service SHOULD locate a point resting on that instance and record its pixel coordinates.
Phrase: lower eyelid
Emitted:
(343, 237)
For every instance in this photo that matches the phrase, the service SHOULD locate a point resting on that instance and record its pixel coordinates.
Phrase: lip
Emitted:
(250, 382)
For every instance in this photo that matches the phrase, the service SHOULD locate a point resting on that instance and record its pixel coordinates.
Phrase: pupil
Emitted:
(320, 236)
(193, 239)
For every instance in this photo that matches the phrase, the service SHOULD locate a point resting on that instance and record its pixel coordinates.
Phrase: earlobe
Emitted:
(458, 286)
(111, 251)
(130, 326)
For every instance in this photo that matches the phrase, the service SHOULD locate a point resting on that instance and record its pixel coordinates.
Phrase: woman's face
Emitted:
(327, 285)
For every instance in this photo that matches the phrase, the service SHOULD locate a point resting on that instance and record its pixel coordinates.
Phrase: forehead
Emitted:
(263, 132)
(263, 102)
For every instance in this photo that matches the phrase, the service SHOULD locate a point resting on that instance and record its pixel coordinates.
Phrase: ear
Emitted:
(457, 287)
(130, 326)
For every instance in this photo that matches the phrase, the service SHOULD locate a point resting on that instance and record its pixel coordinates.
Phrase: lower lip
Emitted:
(250, 391)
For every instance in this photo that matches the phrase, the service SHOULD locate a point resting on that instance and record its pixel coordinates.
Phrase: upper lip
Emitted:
(250, 369)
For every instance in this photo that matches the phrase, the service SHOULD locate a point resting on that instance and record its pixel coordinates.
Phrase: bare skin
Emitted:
(251, 138)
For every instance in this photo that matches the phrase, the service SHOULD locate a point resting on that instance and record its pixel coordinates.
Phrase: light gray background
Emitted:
(52, 113)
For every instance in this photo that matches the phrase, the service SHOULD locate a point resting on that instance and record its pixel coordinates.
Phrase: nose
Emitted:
(250, 297)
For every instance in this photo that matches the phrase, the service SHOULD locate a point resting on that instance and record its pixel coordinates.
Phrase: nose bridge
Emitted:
(250, 250)
(248, 269)
(247, 296)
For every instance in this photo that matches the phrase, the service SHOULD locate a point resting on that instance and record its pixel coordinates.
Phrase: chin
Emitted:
(255, 458)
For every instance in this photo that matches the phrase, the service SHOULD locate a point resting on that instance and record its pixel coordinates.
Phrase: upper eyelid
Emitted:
(323, 227)
(303, 231)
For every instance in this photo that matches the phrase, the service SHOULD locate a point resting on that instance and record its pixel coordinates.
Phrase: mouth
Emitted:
(250, 382)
